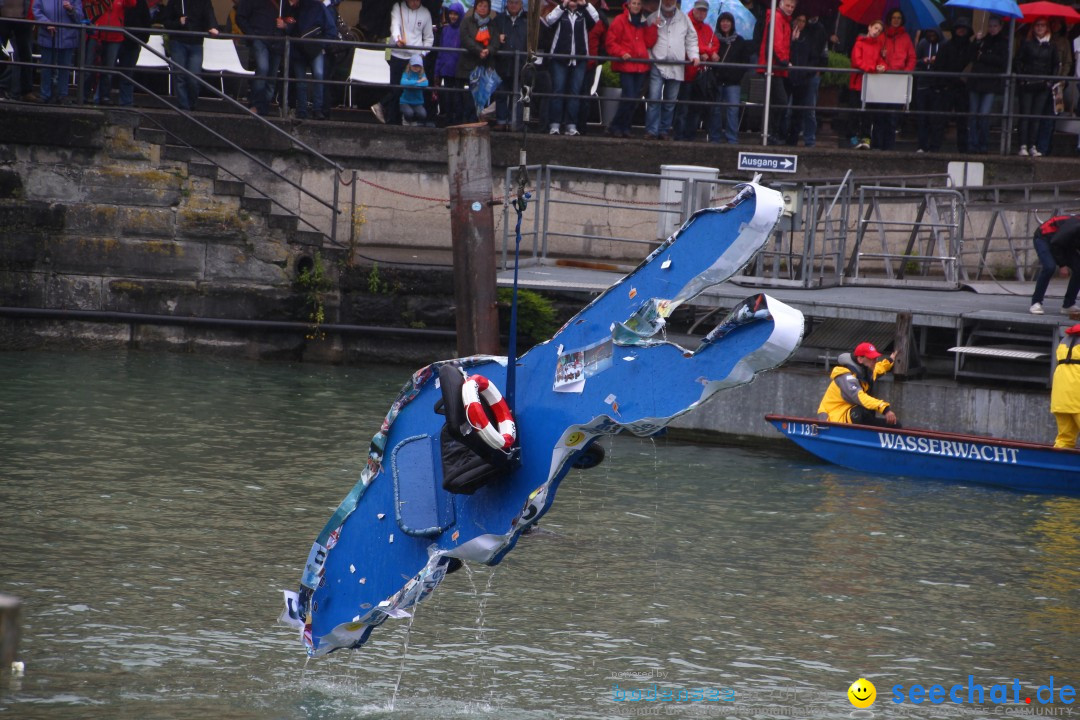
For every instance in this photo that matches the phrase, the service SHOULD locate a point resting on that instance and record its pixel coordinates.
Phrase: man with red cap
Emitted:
(849, 397)
(1065, 393)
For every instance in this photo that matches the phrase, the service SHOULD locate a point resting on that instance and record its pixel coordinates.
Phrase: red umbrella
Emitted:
(918, 14)
(1042, 8)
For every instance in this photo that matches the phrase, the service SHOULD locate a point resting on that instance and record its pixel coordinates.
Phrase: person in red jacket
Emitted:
(781, 60)
(899, 57)
(629, 39)
(103, 46)
(688, 117)
(865, 56)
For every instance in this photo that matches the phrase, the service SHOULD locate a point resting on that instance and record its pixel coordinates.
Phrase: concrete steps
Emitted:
(228, 187)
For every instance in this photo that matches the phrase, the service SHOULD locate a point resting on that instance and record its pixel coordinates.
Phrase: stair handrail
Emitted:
(127, 33)
(273, 201)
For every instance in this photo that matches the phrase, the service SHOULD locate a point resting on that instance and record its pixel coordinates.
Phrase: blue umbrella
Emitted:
(744, 19)
(1005, 8)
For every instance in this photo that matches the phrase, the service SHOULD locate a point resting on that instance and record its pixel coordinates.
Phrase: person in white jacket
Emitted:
(676, 42)
(410, 30)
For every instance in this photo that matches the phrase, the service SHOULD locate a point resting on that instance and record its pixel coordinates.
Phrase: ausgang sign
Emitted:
(768, 162)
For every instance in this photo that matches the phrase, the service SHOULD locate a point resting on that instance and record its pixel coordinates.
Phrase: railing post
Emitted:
(352, 217)
(285, 80)
(770, 27)
(515, 91)
(506, 213)
(9, 631)
(335, 211)
(546, 174)
(80, 67)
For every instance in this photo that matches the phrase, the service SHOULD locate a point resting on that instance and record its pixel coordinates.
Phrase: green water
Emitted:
(153, 507)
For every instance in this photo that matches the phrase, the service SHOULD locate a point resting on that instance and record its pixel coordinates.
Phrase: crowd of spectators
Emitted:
(449, 64)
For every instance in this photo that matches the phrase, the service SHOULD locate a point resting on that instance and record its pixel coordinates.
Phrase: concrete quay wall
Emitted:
(95, 220)
(403, 188)
(935, 404)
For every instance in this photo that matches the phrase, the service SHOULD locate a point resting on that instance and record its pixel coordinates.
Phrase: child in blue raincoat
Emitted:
(412, 96)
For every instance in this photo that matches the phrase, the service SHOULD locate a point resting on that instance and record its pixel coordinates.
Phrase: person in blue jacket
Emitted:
(57, 45)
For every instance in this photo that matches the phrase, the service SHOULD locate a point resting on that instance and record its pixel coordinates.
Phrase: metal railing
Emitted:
(1006, 217)
(558, 191)
(933, 238)
(1007, 117)
(83, 69)
(905, 231)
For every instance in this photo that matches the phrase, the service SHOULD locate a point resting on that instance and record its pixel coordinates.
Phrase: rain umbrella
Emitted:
(744, 18)
(1049, 9)
(918, 14)
(1005, 8)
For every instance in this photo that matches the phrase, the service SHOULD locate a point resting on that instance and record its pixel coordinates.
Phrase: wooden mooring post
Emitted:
(908, 362)
(472, 232)
(9, 631)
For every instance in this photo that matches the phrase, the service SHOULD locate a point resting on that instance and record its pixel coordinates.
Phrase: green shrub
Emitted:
(836, 79)
(536, 315)
(608, 77)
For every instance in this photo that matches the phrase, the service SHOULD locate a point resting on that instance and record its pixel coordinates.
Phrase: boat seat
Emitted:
(423, 507)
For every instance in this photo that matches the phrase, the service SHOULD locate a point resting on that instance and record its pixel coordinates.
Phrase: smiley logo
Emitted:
(862, 693)
(574, 438)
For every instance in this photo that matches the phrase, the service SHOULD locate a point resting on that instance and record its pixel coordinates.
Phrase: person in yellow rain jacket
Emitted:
(1065, 394)
(849, 397)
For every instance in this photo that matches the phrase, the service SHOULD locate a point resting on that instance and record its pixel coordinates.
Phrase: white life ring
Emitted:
(476, 391)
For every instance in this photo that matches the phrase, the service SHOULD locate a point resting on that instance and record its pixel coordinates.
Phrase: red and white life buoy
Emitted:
(477, 391)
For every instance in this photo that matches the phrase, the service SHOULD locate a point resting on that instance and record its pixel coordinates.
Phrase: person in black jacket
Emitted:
(926, 53)
(734, 51)
(571, 22)
(950, 93)
(985, 86)
(144, 14)
(512, 27)
(21, 36)
(816, 38)
(187, 50)
(307, 20)
(808, 40)
(260, 18)
(1037, 57)
(1045, 235)
(1065, 250)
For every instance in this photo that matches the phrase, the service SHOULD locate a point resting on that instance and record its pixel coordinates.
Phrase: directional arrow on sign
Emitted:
(768, 162)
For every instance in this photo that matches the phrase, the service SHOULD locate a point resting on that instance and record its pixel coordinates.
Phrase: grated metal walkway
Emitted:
(931, 308)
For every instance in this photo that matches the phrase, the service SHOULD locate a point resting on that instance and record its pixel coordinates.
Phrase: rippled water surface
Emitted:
(153, 507)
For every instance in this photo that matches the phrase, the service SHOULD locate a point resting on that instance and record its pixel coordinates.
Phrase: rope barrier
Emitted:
(498, 199)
